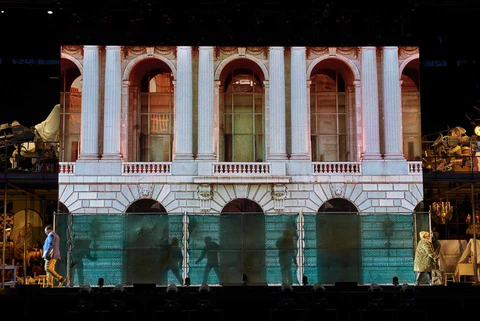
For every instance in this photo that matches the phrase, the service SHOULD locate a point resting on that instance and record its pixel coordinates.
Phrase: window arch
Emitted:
(70, 111)
(146, 206)
(330, 102)
(242, 107)
(151, 112)
(411, 121)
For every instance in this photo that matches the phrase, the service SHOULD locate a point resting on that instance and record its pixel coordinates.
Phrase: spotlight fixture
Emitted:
(395, 281)
(50, 12)
(375, 297)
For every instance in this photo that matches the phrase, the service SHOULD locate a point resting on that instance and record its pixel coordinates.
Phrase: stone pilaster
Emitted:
(392, 108)
(183, 105)
(299, 106)
(277, 105)
(205, 104)
(369, 82)
(90, 102)
(113, 104)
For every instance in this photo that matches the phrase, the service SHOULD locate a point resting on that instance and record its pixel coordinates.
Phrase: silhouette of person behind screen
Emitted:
(175, 258)
(211, 252)
(286, 254)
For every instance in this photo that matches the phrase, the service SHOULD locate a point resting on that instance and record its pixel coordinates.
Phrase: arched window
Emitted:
(411, 122)
(156, 116)
(328, 111)
(70, 111)
(243, 113)
(242, 240)
(337, 229)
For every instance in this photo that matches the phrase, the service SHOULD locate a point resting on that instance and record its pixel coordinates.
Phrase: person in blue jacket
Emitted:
(51, 253)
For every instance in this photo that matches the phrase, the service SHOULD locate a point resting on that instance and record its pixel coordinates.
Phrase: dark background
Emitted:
(446, 31)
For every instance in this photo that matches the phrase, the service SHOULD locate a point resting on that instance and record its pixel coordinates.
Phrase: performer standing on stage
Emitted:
(425, 258)
(51, 253)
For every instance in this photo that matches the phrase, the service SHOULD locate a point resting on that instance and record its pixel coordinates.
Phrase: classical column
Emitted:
(205, 104)
(371, 134)
(392, 106)
(183, 105)
(113, 104)
(277, 137)
(299, 106)
(90, 92)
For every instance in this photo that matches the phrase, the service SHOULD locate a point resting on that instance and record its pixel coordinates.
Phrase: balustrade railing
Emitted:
(242, 169)
(414, 167)
(331, 168)
(66, 168)
(135, 168)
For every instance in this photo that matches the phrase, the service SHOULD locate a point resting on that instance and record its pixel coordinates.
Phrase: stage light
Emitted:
(319, 298)
(100, 282)
(395, 281)
(287, 301)
(407, 297)
(204, 297)
(375, 296)
(117, 303)
(3, 11)
(50, 12)
(477, 129)
(172, 297)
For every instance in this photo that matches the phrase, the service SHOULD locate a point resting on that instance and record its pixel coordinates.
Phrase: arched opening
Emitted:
(411, 122)
(331, 110)
(147, 243)
(338, 239)
(242, 109)
(151, 112)
(70, 111)
(242, 242)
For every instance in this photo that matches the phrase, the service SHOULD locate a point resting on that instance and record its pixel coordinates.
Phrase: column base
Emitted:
(275, 157)
(88, 157)
(206, 157)
(182, 157)
(394, 157)
(300, 157)
(373, 156)
(112, 157)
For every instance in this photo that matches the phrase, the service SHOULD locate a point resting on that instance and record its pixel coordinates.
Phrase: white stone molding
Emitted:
(226, 61)
(332, 51)
(134, 62)
(371, 130)
(113, 104)
(337, 189)
(205, 195)
(241, 51)
(150, 51)
(183, 105)
(279, 195)
(74, 60)
(352, 66)
(206, 92)
(299, 106)
(392, 105)
(406, 62)
(277, 123)
(90, 104)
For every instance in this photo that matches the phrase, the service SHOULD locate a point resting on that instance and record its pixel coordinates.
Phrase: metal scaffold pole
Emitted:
(475, 267)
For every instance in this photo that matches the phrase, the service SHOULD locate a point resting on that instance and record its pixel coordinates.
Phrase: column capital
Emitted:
(189, 48)
(369, 48)
(266, 83)
(91, 47)
(390, 48)
(298, 48)
(276, 48)
(113, 47)
(357, 83)
(206, 47)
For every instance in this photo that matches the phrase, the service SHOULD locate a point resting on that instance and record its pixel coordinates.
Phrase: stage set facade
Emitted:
(317, 147)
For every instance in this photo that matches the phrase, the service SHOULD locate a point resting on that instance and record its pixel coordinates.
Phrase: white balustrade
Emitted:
(332, 168)
(136, 168)
(66, 168)
(251, 169)
(414, 167)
